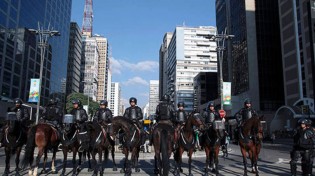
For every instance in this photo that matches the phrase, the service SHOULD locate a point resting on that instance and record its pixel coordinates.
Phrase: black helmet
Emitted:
(303, 121)
(18, 101)
(166, 97)
(180, 104)
(51, 101)
(247, 101)
(211, 103)
(133, 99)
(76, 101)
(103, 102)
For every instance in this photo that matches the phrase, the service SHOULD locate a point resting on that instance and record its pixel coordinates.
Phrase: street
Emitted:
(274, 160)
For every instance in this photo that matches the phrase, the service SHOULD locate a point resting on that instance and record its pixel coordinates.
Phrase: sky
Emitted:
(135, 31)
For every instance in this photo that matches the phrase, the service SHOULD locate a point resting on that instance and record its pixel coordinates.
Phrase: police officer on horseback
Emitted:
(304, 138)
(134, 113)
(181, 114)
(103, 115)
(210, 115)
(52, 114)
(22, 115)
(244, 114)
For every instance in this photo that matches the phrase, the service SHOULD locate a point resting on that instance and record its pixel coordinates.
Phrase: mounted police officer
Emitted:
(134, 113)
(81, 117)
(210, 115)
(52, 114)
(103, 115)
(304, 138)
(242, 115)
(180, 118)
(22, 115)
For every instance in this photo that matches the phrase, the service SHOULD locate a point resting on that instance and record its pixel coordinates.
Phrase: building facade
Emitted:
(296, 29)
(89, 67)
(20, 60)
(255, 52)
(114, 103)
(153, 96)
(74, 59)
(162, 64)
(103, 66)
(189, 52)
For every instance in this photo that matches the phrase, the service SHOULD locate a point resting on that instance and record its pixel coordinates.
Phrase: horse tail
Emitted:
(164, 149)
(29, 148)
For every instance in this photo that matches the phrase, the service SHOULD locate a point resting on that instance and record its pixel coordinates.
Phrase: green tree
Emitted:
(93, 106)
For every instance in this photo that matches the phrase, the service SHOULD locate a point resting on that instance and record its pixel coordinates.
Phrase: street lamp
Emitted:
(220, 40)
(44, 35)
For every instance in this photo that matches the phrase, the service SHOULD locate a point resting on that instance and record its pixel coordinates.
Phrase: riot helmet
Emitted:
(76, 101)
(103, 102)
(133, 99)
(180, 104)
(18, 101)
(247, 101)
(166, 97)
(303, 121)
(51, 101)
(210, 104)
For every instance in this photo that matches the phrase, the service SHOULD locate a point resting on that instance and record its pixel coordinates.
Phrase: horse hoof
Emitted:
(190, 174)
(114, 168)
(122, 171)
(181, 170)
(43, 171)
(90, 170)
(137, 170)
(5, 174)
(156, 171)
(17, 174)
(53, 172)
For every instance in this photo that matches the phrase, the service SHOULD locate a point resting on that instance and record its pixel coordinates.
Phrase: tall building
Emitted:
(255, 52)
(89, 67)
(103, 65)
(154, 96)
(145, 111)
(189, 52)
(19, 53)
(114, 103)
(74, 59)
(162, 64)
(297, 43)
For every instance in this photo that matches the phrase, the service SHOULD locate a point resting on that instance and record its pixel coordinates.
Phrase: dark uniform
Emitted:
(210, 115)
(242, 115)
(22, 116)
(134, 113)
(103, 115)
(52, 114)
(165, 110)
(181, 115)
(304, 138)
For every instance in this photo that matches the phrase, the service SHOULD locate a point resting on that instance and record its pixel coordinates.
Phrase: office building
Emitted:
(153, 96)
(114, 103)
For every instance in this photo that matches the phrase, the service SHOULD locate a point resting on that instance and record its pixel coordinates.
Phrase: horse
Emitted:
(132, 141)
(250, 140)
(211, 142)
(100, 141)
(186, 141)
(14, 139)
(45, 137)
(163, 137)
(69, 142)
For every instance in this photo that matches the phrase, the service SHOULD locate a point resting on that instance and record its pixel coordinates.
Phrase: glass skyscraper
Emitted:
(19, 55)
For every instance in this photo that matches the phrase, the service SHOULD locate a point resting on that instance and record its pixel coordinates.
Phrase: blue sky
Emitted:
(135, 30)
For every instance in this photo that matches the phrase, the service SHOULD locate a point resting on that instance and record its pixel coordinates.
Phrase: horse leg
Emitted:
(243, 151)
(207, 150)
(94, 163)
(39, 155)
(80, 162)
(156, 162)
(7, 160)
(53, 168)
(44, 164)
(17, 160)
(189, 162)
(64, 164)
(89, 160)
(216, 160)
(100, 163)
(74, 161)
(113, 158)
(135, 159)
(181, 151)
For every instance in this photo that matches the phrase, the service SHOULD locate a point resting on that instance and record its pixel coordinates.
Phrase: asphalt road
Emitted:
(274, 160)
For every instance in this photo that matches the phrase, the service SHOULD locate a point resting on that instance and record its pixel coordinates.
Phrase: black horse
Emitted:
(100, 141)
(69, 142)
(131, 141)
(14, 139)
(211, 142)
(163, 141)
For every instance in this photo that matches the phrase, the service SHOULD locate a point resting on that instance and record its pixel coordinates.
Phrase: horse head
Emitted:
(254, 127)
(194, 120)
(13, 125)
(118, 123)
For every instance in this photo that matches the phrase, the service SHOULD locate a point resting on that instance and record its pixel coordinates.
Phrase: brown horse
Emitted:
(45, 137)
(250, 141)
(132, 140)
(211, 141)
(187, 141)
(163, 137)
(14, 139)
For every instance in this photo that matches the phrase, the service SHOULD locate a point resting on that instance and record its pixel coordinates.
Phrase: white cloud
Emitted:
(117, 65)
(136, 81)
(144, 94)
